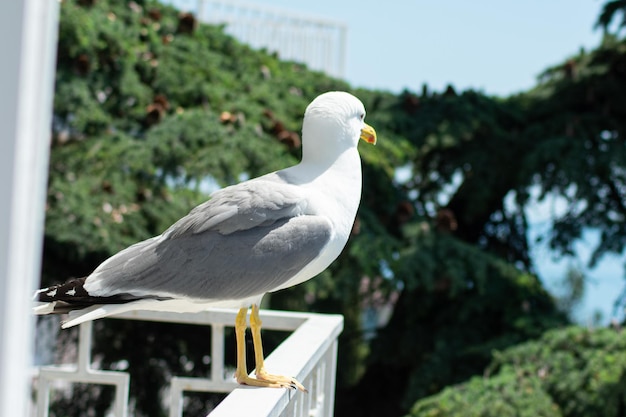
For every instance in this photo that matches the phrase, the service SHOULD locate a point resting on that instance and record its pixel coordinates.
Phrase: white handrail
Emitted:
(309, 354)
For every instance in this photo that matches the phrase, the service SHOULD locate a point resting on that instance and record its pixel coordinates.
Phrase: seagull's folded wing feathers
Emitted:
(247, 240)
(243, 206)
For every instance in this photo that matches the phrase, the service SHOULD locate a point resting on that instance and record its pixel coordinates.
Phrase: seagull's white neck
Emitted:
(339, 178)
(344, 169)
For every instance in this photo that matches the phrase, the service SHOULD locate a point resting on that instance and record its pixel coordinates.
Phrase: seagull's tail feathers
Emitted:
(99, 311)
(71, 297)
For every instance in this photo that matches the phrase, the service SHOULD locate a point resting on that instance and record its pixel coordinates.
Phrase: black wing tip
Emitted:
(68, 291)
(72, 295)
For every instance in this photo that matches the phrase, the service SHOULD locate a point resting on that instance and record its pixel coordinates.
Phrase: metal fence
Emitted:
(309, 354)
(318, 42)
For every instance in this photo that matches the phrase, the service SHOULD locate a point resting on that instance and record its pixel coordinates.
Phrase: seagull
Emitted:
(261, 235)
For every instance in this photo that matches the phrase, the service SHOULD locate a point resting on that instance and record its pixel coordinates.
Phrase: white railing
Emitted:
(316, 41)
(309, 354)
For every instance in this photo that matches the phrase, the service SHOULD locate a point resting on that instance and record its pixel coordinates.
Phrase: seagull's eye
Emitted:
(362, 116)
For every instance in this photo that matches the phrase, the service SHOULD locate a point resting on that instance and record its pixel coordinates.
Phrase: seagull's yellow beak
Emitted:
(368, 134)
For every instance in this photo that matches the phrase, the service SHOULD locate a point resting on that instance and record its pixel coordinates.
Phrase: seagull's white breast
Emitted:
(335, 194)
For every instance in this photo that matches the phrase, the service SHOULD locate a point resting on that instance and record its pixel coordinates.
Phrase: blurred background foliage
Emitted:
(445, 314)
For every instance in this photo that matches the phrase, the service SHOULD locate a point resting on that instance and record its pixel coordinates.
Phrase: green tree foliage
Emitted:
(459, 304)
(580, 109)
(564, 137)
(153, 110)
(571, 372)
(610, 12)
(506, 395)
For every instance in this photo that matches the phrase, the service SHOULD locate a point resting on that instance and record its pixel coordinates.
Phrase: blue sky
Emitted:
(498, 47)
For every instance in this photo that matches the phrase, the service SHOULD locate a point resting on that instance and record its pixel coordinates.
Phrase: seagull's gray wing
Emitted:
(243, 206)
(247, 240)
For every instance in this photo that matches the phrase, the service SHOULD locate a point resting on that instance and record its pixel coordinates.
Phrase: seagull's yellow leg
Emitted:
(241, 374)
(260, 372)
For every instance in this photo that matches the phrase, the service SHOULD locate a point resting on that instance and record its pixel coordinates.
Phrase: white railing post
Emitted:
(28, 50)
(330, 379)
(217, 352)
(82, 372)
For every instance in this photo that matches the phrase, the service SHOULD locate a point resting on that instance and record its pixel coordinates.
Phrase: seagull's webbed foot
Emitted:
(245, 379)
(284, 381)
(263, 378)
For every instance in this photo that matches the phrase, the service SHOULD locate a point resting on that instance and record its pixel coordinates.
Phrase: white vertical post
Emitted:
(330, 380)
(29, 32)
(43, 397)
(217, 353)
(84, 346)
(343, 50)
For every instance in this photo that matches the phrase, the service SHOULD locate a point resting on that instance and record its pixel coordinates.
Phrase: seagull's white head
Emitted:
(334, 122)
